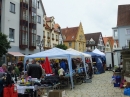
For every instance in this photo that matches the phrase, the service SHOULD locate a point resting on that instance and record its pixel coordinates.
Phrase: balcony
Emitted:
(48, 37)
(125, 47)
(44, 36)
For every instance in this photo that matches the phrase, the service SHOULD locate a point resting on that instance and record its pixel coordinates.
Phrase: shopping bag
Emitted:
(6, 92)
(10, 91)
(13, 91)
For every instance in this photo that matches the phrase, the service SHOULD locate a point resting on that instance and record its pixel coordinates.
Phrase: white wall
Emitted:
(40, 25)
(116, 58)
(108, 59)
(11, 20)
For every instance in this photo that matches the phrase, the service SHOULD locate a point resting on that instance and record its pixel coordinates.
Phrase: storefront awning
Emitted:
(16, 53)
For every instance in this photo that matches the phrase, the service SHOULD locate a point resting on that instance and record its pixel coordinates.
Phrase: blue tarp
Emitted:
(99, 65)
(99, 61)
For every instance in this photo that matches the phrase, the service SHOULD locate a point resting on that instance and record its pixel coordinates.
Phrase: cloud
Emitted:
(95, 15)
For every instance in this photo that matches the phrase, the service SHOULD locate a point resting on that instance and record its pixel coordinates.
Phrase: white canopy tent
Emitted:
(98, 52)
(75, 51)
(85, 55)
(57, 54)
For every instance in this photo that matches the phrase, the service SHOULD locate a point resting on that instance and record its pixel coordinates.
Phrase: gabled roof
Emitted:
(94, 36)
(47, 26)
(111, 40)
(70, 33)
(123, 18)
(48, 19)
(105, 40)
(56, 27)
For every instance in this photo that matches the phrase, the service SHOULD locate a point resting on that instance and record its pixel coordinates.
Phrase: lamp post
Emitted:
(40, 44)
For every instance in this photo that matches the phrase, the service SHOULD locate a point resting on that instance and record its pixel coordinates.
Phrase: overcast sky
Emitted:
(95, 15)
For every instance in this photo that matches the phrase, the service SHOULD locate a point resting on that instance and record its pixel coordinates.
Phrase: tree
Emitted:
(62, 46)
(4, 44)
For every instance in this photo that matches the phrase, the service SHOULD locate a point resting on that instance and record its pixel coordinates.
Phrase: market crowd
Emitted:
(37, 69)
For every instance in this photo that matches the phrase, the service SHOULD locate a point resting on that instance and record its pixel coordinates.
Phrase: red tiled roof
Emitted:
(111, 40)
(48, 19)
(56, 26)
(70, 33)
(105, 40)
(123, 18)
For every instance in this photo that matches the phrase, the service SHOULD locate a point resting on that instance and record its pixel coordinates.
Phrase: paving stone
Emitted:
(100, 87)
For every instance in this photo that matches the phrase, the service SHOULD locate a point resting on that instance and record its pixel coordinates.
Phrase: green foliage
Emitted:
(4, 44)
(62, 46)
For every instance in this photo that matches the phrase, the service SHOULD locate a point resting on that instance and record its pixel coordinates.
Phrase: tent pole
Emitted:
(70, 71)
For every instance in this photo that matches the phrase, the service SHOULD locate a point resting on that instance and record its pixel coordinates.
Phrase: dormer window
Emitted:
(87, 41)
(64, 37)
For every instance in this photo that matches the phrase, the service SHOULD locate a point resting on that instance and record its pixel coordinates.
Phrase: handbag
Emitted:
(10, 91)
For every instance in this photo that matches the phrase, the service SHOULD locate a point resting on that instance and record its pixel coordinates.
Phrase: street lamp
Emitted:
(40, 44)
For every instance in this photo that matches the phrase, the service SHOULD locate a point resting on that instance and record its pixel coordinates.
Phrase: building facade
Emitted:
(74, 38)
(121, 32)
(95, 40)
(110, 44)
(52, 33)
(22, 22)
(107, 44)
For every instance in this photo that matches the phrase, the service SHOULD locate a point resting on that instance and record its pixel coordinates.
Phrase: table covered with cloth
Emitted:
(22, 89)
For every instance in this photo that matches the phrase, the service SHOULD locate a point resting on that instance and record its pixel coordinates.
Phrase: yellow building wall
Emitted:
(81, 41)
(79, 44)
(72, 44)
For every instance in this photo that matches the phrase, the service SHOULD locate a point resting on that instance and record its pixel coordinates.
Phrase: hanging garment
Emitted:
(63, 65)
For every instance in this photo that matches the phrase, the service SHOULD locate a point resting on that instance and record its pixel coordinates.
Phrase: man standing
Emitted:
(34, 70)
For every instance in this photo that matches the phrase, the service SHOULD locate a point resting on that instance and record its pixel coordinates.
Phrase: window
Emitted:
(69, 44)
(24, 38)
(56, 36)
(12, 7)
(52, 35)
(114, 46)
(87, 41)
(48, 35)
(38, 39)
(43, 33)
(33, 39)
(48, 44)
(115, 33)
(39, 19)
(11, 35)
(38, 4)
(127, 31)
(60, 42)
(128, 41)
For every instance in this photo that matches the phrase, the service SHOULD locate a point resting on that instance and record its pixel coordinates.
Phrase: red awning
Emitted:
(16, 53)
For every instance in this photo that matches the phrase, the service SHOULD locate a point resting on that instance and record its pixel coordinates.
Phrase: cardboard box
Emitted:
(126, 84)
(57, 93)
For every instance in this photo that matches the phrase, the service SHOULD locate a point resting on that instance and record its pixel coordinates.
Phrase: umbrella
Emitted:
(47, 67)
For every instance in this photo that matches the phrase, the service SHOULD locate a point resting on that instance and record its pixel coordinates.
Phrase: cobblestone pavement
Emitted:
(100, 87)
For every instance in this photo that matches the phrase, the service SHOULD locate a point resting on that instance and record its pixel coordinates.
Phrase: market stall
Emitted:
(57, 54)
(97, 63)
(14, 57)
(85, 56)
